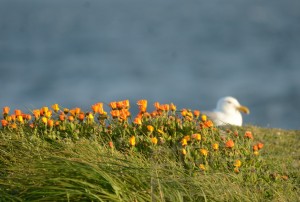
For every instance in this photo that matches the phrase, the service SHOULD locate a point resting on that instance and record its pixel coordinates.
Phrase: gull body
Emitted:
(228, 111)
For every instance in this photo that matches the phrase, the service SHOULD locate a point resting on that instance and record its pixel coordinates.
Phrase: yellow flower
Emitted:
(202, 167)
(203, 117)
(20, 119)
(44, 120)
(55, 107)
(183, 142)
(196, 136)
(204, 152)
(256, 153)
(237, 163)
(150, 128)
(172, 107)
(183, 151)
(132, 141)
(154, 140)
(91, 117)
(215, 146)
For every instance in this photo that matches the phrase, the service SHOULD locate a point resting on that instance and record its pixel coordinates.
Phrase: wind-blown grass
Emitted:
(35, 166)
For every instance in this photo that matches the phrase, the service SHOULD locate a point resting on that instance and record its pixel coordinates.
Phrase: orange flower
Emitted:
(115, 113)
(6, 110)
(172, 107)
(132, 141)
(113, 105)
(36, 113)
(81, 116)
(111, 144)
(260, 145)
(142, 105)
(184, 112)
(126, 104)
(229, 144)
(57, 123)
(137, 121)
(55, 107)
(156, 105)
(255, 148)
(98, 108)
(196, 113)
(154, 140)
(18, 112)
(50, 123)
(215, 146)
(208, 124)
(164, 107)
(27, 117)
(236, 169)
(119, 104)
(77, 110)
(62, 117)
(44, 110)
(150, 128)
(248, 134)
(124, 113)
(71, 118)
(4, 123)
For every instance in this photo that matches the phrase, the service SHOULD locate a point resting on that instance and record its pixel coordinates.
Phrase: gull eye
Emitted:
(229, 102)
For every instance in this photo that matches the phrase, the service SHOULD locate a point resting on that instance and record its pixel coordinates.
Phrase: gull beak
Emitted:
(243, 109)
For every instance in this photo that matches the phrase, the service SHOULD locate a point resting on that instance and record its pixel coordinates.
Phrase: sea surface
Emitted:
(191, 53)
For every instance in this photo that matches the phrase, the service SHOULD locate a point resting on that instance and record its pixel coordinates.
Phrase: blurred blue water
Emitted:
(191, 53)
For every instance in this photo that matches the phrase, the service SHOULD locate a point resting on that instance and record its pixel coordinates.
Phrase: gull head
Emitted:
(228, 111)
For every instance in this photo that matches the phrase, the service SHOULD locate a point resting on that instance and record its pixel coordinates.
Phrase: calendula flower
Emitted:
(132, 141)
(236, 169)
(208, 124)
(248, 134)
(202, 167)
(66, 110)
(20, 119)
(150, 128)
(154, 140)
(113, 105)
(229, 144)
(71, 118)
(111, 144)
(4, 123)
(183, 151)
(18, 112)
(44, 110)
(196, 113)
(27, 117)
(183, 142)
(237, 163)
(184, 112)
(44, 120)
(256, 153)
(204, 152)
(50, 123)
(142, 105)
(48, 114)
(204, 118)
(77, 110)
(90, 117)
(215, 146)
(173, 107)
(81, 116)
(126, 104)
(196, 136)
(55, 107)
(255, 148)
(62, 117)
(115, 113)
(260, 145)
(156, 105)
(6, 110)
(137, 121)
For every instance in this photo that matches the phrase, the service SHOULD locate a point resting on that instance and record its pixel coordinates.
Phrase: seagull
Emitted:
(228, 111)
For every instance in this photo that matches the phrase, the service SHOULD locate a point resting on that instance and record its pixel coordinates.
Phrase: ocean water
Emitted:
(191, 53)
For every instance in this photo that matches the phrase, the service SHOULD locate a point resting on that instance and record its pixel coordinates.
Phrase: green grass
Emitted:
(37, 169)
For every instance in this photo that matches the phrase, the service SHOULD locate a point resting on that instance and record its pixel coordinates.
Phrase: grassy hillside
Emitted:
(166, 157)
